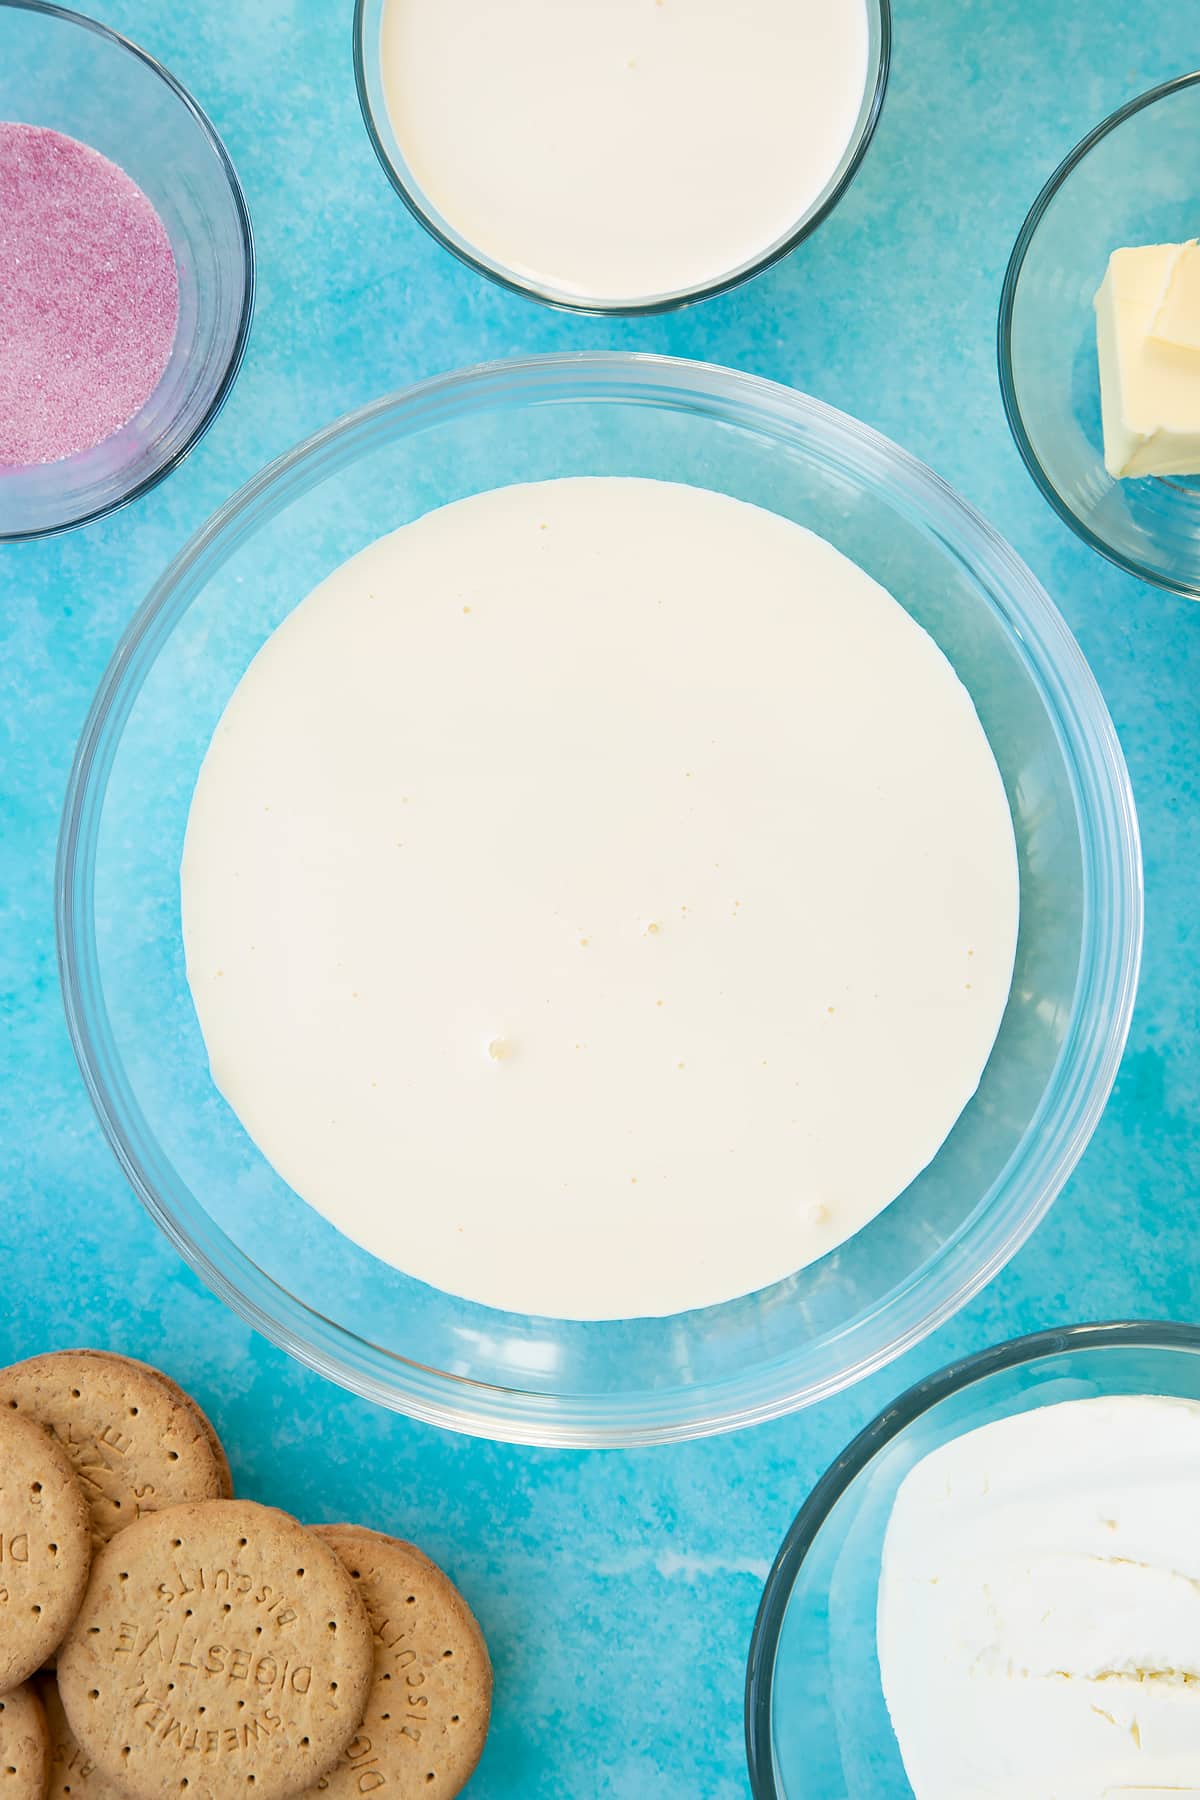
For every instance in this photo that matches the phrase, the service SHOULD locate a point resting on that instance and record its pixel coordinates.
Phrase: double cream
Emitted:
(1039, 1609)
(623, 150)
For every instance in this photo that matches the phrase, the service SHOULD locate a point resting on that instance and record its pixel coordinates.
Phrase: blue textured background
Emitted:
(617, 1591)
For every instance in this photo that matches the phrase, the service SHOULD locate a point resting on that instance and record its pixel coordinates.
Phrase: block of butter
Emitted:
(1148, 339)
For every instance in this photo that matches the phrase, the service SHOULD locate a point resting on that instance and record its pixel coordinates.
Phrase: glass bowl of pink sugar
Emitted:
(126, 270)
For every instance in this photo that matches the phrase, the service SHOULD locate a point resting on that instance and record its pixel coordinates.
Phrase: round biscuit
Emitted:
(222, 1652)
(45, 1546)
(430, 1704)
(192, 1406)
(73, 1775)
(138, 1443)
(24, 1745)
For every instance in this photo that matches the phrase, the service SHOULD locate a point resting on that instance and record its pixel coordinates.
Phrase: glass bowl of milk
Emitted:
(660, 984)
(1131, 182)
(1060, 1480)
(626, 157)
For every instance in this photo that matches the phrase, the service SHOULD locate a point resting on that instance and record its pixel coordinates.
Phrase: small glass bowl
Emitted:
(1131, 181)
(285, 1268)
(817, 1725)
(67, 73)
(368, 75)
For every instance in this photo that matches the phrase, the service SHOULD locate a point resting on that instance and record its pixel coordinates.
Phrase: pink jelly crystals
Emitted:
(89, 296)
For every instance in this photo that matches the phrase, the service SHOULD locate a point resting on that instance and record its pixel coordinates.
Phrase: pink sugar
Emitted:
(89, 296)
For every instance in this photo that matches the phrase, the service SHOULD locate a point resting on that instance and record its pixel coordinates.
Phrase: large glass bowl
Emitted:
(368, 74)
(69, 74)
(1133, 180)
(287, 1270)
(817, 1726)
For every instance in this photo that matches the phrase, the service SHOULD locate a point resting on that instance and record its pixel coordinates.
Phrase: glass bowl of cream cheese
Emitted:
(993, 1590)
(598, 901)
(1130, 185)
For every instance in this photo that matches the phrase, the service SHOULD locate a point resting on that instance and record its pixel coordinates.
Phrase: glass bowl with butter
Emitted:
(370, 1323)
(1126, 474)
(993, 1571)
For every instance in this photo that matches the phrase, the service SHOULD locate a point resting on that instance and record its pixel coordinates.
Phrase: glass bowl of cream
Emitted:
(120, 196)
(1130, 183)
(625, 158)
(596, 1232)
(995, 1573)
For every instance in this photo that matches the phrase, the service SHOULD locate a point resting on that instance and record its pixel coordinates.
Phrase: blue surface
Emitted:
(617, 1591)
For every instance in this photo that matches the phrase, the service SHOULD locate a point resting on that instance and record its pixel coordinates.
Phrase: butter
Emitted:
(1148, 340)
(1177, 321)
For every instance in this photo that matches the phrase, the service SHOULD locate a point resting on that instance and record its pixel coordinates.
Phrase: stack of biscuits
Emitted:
(160, 1640)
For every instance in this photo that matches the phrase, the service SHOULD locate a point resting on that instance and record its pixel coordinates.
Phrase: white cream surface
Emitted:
(1039, 1609)
(623, 150)
(610, 876)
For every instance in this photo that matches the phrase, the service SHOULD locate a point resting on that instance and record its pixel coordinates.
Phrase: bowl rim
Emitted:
(234, 362)
(1078, 1085)
(590, 308)
(887, 1425)
(1008, 293)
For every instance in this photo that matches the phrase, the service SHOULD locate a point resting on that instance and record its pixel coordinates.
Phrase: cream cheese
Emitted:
(599, 898)
(1039, 1606)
